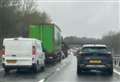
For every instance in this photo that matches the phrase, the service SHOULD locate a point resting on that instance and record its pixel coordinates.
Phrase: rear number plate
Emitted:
(95, 61)
(99, 66)
(11, 61)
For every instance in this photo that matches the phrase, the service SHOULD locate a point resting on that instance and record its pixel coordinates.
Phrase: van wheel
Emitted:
(36, 68)
(7, 70)
(18, 69)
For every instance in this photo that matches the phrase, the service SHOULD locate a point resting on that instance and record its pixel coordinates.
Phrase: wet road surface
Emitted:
(61, 72)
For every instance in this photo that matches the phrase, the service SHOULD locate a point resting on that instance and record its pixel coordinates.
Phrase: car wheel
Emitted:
(110, 71)
(79, 71)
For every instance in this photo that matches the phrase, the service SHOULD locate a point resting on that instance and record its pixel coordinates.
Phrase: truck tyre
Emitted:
(59, 57)
(42, 68)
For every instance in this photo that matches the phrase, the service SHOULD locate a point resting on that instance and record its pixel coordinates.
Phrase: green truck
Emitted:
(50, 35)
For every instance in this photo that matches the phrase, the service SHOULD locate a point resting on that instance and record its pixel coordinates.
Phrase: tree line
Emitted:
(112, 40)
(17, 15)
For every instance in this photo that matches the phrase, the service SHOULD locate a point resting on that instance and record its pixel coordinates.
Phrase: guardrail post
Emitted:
(115, 62)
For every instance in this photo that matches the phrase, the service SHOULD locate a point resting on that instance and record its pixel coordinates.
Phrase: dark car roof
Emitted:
(94, 45)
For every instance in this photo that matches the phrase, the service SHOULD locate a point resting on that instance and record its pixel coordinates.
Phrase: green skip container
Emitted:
(50, 35)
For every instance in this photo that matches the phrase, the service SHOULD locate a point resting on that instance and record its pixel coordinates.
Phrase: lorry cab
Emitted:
(19, 53)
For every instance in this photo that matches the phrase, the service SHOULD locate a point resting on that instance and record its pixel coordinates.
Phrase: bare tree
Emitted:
(16, 16)
(112, 39)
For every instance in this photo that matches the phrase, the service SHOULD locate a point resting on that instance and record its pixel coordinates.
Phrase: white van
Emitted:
(21, 53)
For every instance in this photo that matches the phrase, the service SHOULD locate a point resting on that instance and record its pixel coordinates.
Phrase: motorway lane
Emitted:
(27, 76)
(68, 74)
(61, 72)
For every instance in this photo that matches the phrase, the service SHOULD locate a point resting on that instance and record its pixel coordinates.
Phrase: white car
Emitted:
(20, 53)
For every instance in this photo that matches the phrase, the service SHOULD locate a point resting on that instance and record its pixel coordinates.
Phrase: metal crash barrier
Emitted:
(116, 61)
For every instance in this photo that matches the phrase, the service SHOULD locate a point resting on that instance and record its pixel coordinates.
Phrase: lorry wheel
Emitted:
(42, 68)
(59, 57)
(59, 60)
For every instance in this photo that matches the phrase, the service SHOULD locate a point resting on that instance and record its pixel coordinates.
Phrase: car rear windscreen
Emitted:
(94, 49)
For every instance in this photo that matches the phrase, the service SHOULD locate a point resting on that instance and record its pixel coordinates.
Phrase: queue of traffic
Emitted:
(43, 46)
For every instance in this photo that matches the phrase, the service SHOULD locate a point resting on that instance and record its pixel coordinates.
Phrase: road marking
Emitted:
(72, 1)
(115, 71)
(58, 69)
(1, 69)
(42, 80)
(62, 65)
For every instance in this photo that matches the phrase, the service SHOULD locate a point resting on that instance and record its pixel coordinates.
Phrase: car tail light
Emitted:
(3, 50)
(108, 55)
(33, 50)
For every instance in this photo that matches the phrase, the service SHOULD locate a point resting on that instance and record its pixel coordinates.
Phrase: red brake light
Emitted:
(3, 50)
(108, 55)
(33, 50)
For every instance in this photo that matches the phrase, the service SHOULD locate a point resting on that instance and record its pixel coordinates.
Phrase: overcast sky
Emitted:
(83, 18)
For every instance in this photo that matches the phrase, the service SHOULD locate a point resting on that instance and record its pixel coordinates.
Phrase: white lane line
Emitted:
(1, 69)
(42, 80)
(58, 69)
(70, 1)
(117, 72)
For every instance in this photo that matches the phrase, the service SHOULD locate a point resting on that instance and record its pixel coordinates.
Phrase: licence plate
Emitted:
(95, 61)
(95, 66)
(11, 61)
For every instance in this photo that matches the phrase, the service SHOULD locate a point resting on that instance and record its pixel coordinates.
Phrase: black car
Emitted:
(94, 57)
